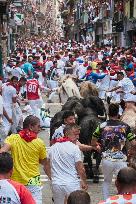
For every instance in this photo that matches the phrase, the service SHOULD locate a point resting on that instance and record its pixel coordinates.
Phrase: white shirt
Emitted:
(63, 158)
(8, 92)
(81, 71)
(8, 193)
(126, 85)
(48, 65)
(17, 72)
(58, 132)
(60, 64)
(7, 71)
(65, 59)
(105, 82)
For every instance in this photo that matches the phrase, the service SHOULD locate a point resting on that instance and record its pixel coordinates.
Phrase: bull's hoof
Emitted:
(96, 179)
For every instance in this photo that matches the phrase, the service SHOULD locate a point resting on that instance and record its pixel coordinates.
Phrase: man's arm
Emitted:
(46, 166)
(133, 92)
(6, 147)
(101, 76)
(81, 172)
(114, 89)
(85, 148)
(14, 99)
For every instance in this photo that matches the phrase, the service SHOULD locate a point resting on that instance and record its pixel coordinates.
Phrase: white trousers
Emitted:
(52, 84)
(17, 117)
(3, 133)
(62, 191)
(36, 108)
(41, 79)
(36, 192)
(6, 124)
(109, 169)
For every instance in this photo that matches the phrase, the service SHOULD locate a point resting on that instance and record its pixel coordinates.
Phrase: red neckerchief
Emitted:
(85, 64)
(10, 84)
(17, 87)
(27, 135)
(105, 72)
(61, 139)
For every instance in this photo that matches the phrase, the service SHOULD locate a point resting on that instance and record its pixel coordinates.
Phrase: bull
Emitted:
(89, 112)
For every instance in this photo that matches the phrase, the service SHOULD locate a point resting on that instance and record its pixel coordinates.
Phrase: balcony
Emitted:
(3, 7)
(118, 16)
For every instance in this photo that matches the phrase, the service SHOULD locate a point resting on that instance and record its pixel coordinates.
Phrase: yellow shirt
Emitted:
(26, 156)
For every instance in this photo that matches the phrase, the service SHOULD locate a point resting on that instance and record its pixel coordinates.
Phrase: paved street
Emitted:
(94, 189)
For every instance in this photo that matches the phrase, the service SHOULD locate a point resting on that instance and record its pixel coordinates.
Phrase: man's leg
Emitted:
(69, 188)
(36, 193)
(107, 168)
(5, 123)
(58, 194)
(36, 107)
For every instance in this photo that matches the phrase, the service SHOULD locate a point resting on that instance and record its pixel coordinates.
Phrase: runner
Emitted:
(9, 95)
(34, 96)
(31, 152)
(66, 164)
(124, 87)
(112, 135)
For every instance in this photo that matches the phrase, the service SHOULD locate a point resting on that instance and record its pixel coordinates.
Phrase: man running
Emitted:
(66, 165)
(112, 135)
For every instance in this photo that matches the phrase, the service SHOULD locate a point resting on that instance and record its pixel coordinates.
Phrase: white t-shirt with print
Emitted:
(58, 132)
(8, 193)
(63, 157)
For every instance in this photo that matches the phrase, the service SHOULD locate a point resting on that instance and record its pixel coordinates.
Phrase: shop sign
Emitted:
(19, 19)
(90, 29)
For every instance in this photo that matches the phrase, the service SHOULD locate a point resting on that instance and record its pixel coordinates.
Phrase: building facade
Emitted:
(102, 22)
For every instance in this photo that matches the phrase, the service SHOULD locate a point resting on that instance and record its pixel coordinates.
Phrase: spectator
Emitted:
(11, 191)
(126, 187)
(79, 197)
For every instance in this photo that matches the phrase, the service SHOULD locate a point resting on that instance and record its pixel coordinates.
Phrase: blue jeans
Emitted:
(36, 193)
